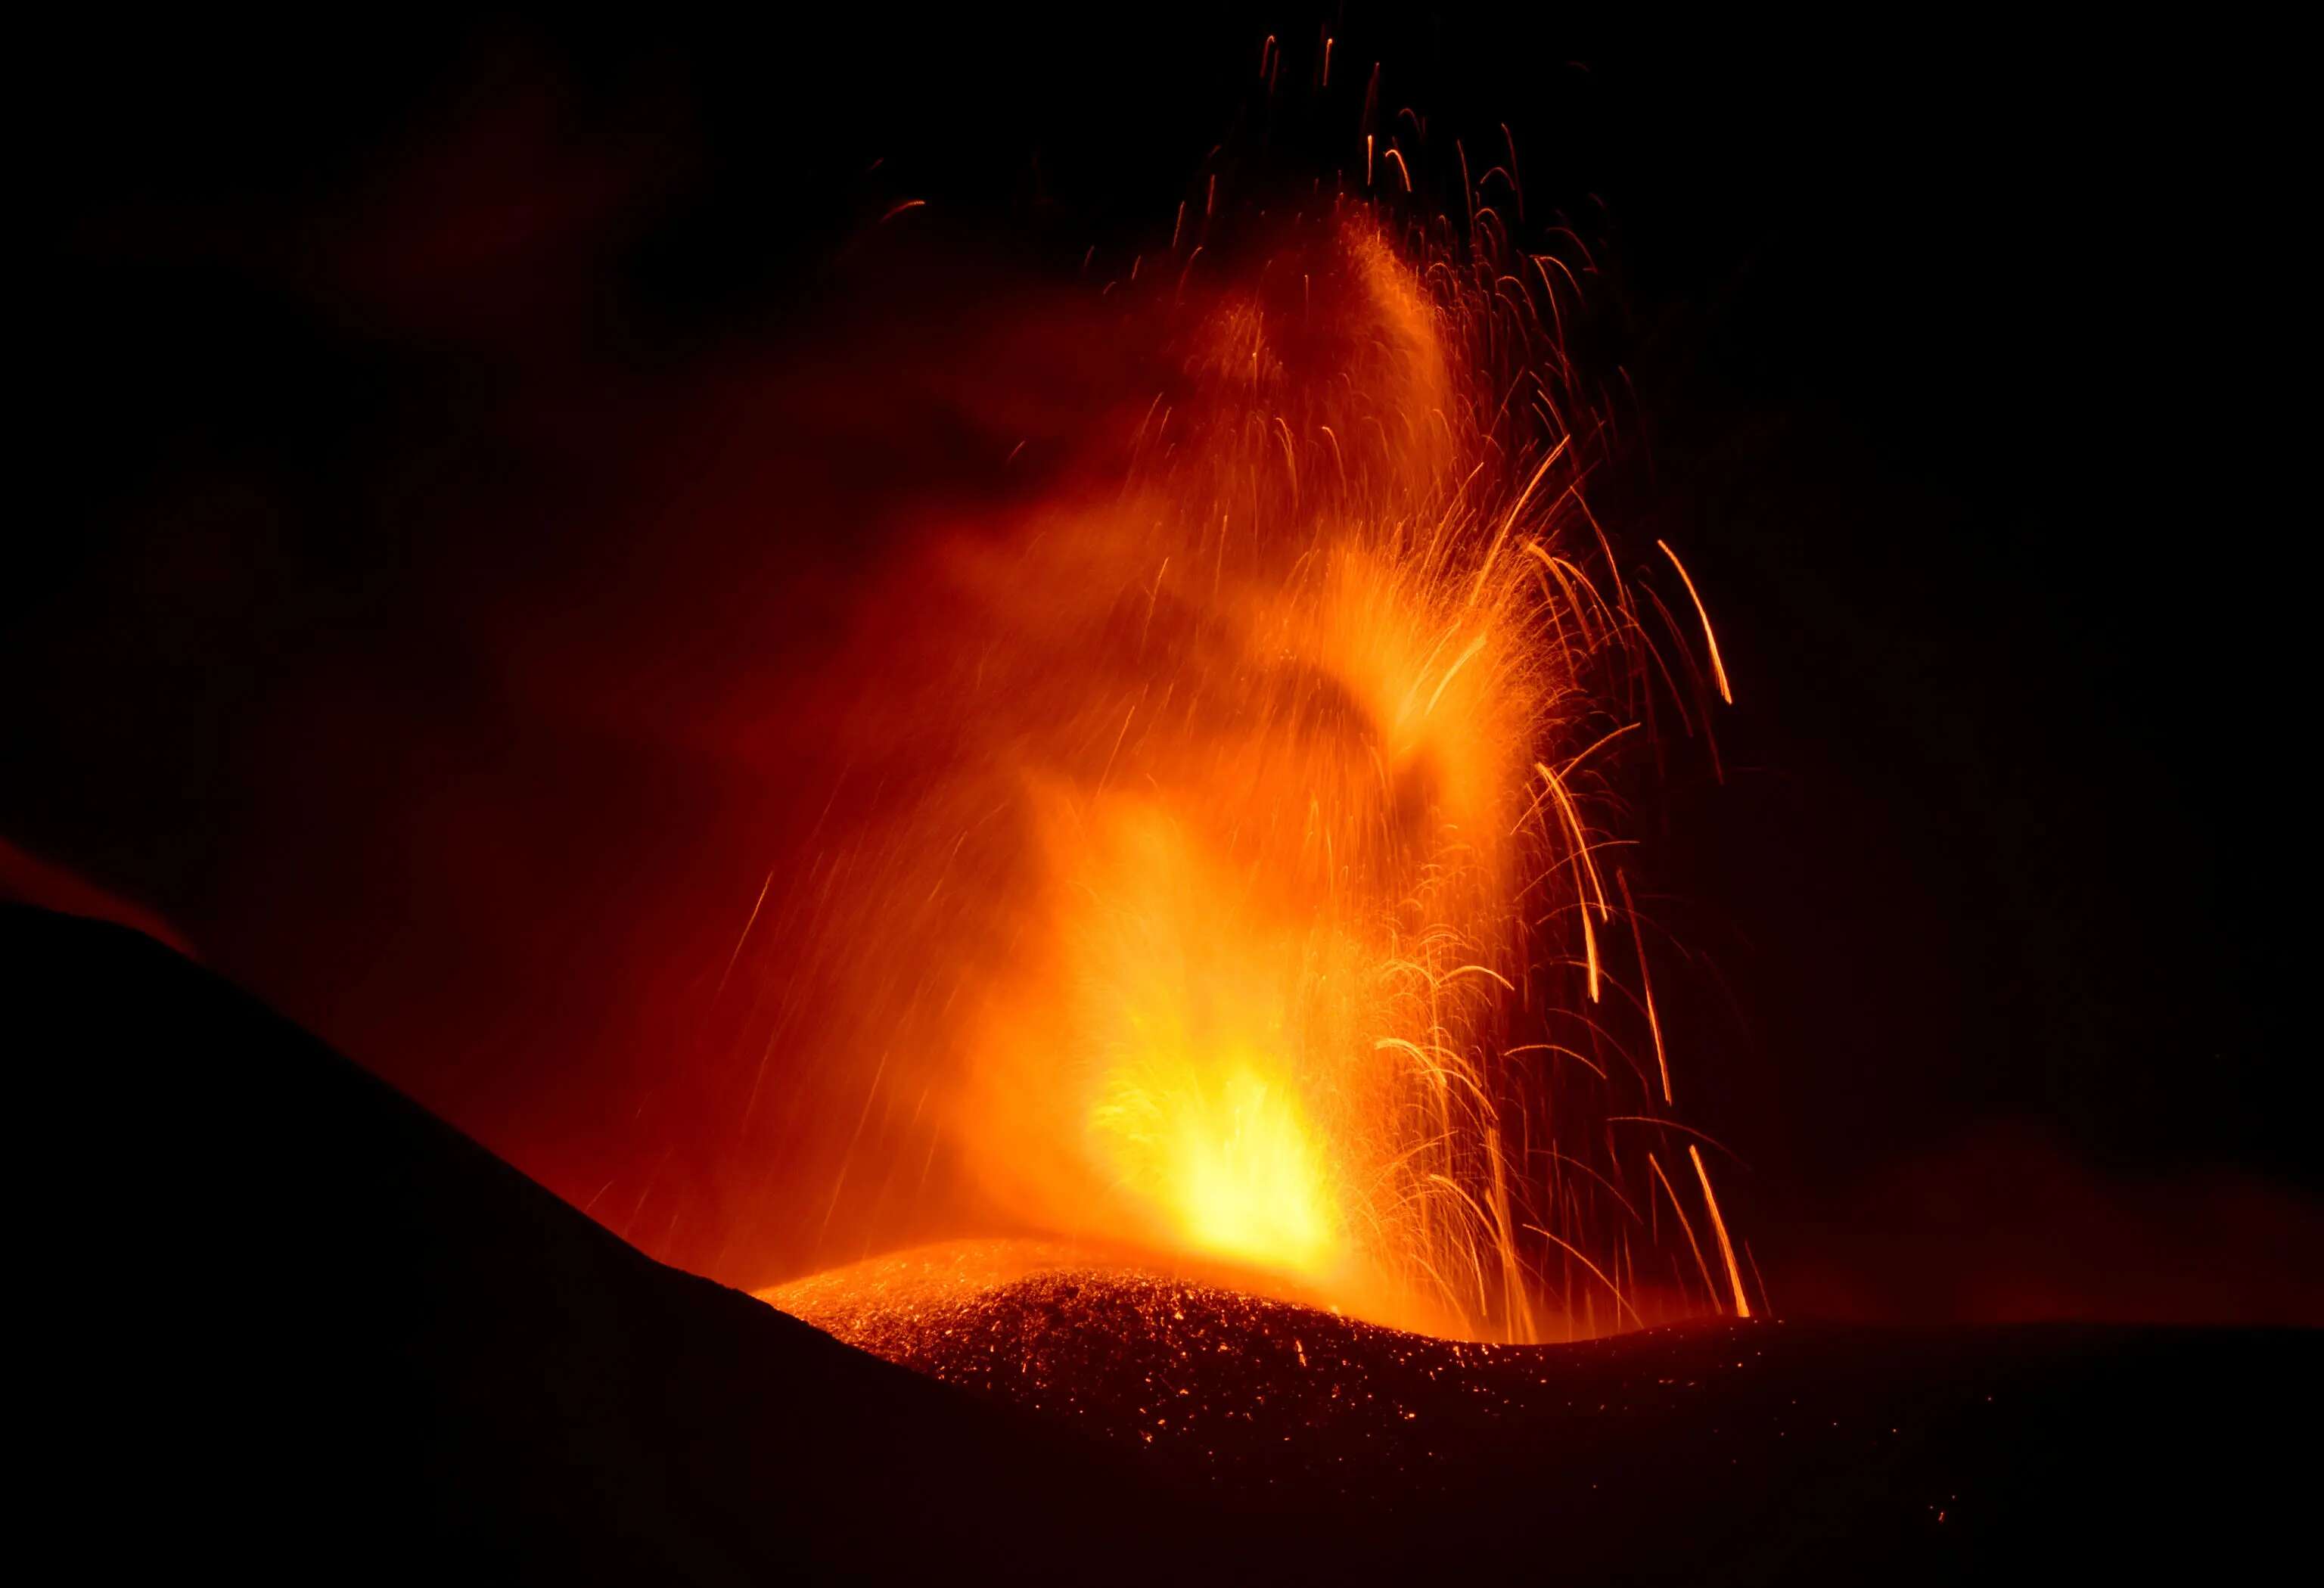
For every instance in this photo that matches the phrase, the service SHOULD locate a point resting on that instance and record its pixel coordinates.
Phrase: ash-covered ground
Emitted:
(1750, 1450)
(1243, 1386)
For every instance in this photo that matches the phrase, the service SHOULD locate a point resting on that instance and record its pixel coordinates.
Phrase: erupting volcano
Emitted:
(1248, 881)
(795, 801)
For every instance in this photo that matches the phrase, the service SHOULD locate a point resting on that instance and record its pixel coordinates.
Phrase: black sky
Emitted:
(1966, 358)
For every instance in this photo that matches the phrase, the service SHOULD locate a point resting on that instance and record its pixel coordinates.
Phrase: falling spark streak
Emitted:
(1684, 1223)
(1588, 868)
(758, 905)
(1758, 1278)
(1726, 1247)
(1718, 667)
(1646, 983)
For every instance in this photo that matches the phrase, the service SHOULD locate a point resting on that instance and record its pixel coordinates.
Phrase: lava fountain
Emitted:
(1230, 868)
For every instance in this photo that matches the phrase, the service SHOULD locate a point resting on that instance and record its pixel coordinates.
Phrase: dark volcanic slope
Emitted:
(283, 1324)
(291, 1327)
(1761, 1449)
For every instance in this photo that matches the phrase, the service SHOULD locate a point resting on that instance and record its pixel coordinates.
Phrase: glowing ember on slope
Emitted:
(1254, 899)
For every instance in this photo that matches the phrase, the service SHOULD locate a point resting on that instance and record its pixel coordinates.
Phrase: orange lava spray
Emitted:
(1249, 901)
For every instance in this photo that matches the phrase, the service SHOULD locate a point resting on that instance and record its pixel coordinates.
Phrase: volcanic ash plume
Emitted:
(1236, 884)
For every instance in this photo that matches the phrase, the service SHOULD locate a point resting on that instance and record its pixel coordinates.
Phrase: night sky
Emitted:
(451, 443)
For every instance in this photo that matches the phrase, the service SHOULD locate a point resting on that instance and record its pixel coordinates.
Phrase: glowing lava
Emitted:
(1254, 897)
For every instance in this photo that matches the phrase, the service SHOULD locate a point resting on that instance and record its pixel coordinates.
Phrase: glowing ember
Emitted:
(1251, 896)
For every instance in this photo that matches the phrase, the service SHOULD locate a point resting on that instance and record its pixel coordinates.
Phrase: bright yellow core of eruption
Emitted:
(1193, 998)
(1230, 1158)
